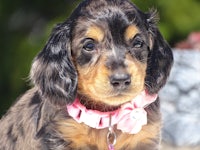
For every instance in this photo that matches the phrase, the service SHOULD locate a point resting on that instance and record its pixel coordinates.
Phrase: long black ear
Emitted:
(53, 72)
(160, 58)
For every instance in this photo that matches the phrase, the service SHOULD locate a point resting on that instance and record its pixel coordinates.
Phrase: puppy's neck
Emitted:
(95, 105)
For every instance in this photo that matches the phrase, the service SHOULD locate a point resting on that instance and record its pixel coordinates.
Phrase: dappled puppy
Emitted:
(95, 84)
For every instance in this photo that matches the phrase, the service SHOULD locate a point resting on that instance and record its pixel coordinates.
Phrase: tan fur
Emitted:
(95, 32)
(82, 136)
(131, 31)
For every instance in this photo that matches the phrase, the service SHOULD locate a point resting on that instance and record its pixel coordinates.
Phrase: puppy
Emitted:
(95, 84)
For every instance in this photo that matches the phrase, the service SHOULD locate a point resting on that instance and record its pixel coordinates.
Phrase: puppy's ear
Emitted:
(160, 58)
(53, 72)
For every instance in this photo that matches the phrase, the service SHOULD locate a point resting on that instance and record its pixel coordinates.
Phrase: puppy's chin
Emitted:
(118, 98)
(107, 102)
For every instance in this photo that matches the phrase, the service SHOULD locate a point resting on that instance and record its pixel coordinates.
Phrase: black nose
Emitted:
(120, 81)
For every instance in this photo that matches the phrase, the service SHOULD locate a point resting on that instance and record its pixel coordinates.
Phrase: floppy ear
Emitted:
(53, 72)
(160, 58)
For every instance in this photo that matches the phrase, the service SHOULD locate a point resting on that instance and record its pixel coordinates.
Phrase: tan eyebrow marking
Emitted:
(130, 32)
(95, 33)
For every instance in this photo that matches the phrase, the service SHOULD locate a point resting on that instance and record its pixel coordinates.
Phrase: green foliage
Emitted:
(26, 25)
(177, 17)
(24, 29)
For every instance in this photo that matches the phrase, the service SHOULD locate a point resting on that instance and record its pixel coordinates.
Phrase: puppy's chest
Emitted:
(82, 137)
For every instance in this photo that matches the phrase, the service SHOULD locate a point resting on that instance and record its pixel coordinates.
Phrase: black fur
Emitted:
(159, 63)
(53, 71)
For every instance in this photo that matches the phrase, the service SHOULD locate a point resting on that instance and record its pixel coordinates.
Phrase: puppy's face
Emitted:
(109, 49)
(110, 54)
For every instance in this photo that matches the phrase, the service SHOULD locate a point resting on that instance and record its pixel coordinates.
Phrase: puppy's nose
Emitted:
(120, 81)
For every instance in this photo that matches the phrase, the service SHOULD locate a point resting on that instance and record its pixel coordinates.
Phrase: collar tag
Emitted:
(111, 136)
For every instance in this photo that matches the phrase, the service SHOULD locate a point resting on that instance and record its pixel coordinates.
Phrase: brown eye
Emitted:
(137, 43)
(89, 45)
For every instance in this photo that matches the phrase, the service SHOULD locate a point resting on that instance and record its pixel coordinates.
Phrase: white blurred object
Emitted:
(180, 100)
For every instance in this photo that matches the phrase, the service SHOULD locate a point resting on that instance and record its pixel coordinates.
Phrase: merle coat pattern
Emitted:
(39, 119)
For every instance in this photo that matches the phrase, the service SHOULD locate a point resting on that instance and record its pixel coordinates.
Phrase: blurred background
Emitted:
(25, 27)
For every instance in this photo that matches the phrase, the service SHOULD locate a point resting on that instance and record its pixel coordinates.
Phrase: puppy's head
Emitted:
(108, 51)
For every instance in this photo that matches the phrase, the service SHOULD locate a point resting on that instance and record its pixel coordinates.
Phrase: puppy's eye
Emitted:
(137, 42)
(89, 45)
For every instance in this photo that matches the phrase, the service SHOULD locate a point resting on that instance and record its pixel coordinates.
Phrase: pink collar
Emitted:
(129, 118)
